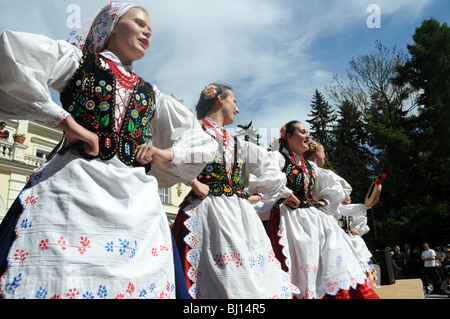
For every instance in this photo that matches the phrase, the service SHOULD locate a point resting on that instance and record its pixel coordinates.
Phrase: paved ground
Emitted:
(406, 289)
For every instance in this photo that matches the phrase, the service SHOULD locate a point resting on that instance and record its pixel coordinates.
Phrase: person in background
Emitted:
(430, 270)
(399, 262)
(439, 254)
(445, 271)
(4, 134)
(408, 254)
(416, 263)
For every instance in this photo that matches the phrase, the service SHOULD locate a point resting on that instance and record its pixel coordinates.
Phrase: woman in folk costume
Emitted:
(308, 243)
(353, 221)
(222, 243)
(350, 217)
(90, 224)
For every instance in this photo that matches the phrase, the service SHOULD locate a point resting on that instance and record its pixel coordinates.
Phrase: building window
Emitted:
(42, 154)
(165, 195)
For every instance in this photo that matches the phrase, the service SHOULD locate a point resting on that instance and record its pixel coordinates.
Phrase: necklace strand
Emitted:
(126, 81)
(225, 137)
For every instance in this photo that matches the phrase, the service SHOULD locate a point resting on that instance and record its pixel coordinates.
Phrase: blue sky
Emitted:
(274, 53)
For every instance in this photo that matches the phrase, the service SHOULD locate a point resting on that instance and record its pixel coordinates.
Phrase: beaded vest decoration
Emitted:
(345, 223)
(296, 182)
(90, 97)
(215, 176)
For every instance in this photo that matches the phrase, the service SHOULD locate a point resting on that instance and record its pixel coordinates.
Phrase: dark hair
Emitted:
(310, 152)
(290, 128)
(205, 104)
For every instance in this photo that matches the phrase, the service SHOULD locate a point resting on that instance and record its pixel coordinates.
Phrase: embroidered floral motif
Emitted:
(91, 98)
(157, 250)
(26, 224)
(333, 287)
(123, 247)
(191, 240)
(152, 294)
(216, 176)
(337, 261)
(30, 200)
(168, 292)
(12, 286)
(73, 293)
(191, 224)
(272, 257)
(103, 293)
(256, 261)
(58, 119)
(193, 274)
(20, 255)
(295, 180)
(83, 101)
(222, 260)
(41, 293)
(45, 243)
(309, 268)
(137, 125)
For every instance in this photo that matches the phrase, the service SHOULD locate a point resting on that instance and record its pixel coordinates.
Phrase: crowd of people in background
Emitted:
(432, 266)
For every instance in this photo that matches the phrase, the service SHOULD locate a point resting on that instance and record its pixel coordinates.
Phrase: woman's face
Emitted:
(347, 200)
(299, 139)
(320, 156)
(229, 108)
(130, 37)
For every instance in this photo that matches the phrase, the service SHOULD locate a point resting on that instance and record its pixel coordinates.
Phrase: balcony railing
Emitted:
(15, 152)
(6, 150)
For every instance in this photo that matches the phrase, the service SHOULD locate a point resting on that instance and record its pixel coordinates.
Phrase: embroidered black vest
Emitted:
(215, 176)
(296, 182)
(345, 223)
(90, 97)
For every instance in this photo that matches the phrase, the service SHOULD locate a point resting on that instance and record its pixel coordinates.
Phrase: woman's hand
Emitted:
(202, 190)
(292, 201)
(373, 203)
(149, 154)
(253, 199)
(74, 132)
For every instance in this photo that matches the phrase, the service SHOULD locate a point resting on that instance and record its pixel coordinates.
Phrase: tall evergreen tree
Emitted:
(320, 120)
(428, 72)
(351, 157)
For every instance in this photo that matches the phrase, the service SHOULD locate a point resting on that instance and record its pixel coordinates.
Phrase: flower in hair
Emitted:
(313, 146)
(283, 132)
(211, 91)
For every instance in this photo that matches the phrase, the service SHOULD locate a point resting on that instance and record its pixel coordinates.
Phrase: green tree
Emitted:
(320, 120)
(351, 159)
(368, 84)
(427, 72)
(386, 109)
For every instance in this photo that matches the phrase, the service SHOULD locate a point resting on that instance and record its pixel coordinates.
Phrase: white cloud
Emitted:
(260, 47)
